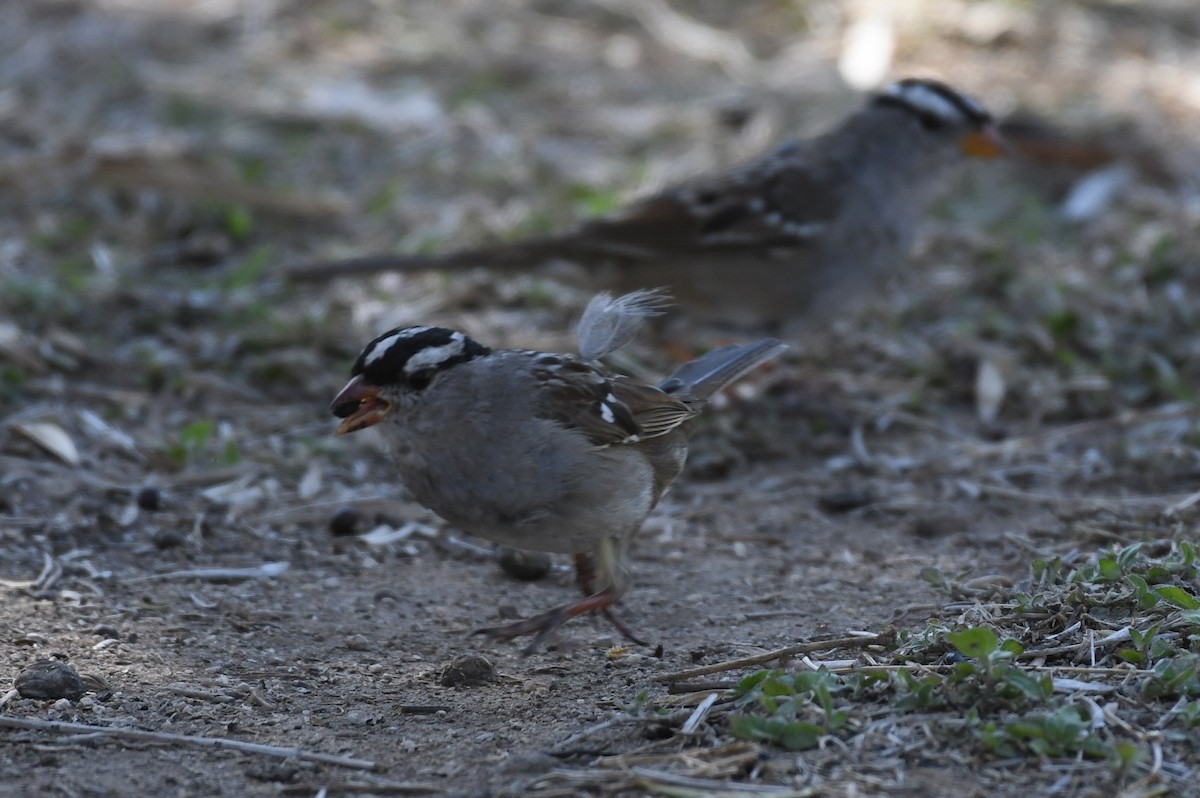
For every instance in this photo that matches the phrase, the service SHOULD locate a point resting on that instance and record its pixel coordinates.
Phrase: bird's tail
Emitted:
(709, 373)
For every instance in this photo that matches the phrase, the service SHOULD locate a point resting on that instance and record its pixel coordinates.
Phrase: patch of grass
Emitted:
(238, 221)
(64, 233)
(592, 200)
(40, 299)
(385, 200)
(1056, 733)
(11, 380)
(249, 271)
(987, 686)
(198, 443)
(794, 710)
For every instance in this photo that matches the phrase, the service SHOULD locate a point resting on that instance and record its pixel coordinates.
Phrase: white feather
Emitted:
(435, 355)
(380, 348)
(609, 324)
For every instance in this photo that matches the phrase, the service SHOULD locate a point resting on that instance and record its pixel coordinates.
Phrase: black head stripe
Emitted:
(934, 103)
(398, 354)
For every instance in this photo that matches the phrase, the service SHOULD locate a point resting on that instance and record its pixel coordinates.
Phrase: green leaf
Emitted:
(799, 736)
(1128, 555)
(238, 221)
(933, 576)
(195, 435)
(1032, 688)
(1131, 655)
(792, 735)
(231, 455)
(1177, 597)
(1109, 570)
(748, 683)
(977, 642)
(1012, 647)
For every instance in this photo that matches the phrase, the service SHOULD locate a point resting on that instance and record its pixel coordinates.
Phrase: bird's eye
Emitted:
(419, 380)
(931, 121)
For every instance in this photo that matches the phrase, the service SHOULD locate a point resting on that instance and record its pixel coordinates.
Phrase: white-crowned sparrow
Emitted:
(776, 239)
(534, 450)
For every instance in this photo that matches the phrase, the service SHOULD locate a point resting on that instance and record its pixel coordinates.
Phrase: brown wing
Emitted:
(656, 412)
(608, 410)
(780, 201)
(578, 395)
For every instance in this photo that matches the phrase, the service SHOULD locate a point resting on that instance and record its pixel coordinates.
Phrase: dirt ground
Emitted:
(169, 478)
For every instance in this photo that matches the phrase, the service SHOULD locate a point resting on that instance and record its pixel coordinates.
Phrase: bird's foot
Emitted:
(541, 626)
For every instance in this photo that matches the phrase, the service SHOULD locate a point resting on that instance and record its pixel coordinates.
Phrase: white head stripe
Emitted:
(436, 355)
(928, 99)
(380, 348)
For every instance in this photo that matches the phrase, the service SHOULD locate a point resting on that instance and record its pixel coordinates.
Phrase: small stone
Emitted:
(357, 643)
(49, 679)
(524, 565)
(467, 671)
(936, 526)
(344, 523)
(169, 538)
(843, 501)
(386, 597)
(149, 498)
(528, 763)
(107, 631)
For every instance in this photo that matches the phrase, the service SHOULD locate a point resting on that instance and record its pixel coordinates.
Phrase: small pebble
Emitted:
(149, 498)
(107, 631)
(936, 526)
(467, 671)
(386, 596)
(843, 501)
(344, 523)
(169, 538)
(524, 565)
(357, 643)
(49, 679)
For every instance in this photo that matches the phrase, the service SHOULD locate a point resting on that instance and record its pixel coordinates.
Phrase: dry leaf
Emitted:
(50, 437)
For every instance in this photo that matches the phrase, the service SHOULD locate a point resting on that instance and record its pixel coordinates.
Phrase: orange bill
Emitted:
(983, 143)
(359, 406)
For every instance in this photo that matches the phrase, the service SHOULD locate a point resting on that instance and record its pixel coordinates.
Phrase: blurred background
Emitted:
(165, 161)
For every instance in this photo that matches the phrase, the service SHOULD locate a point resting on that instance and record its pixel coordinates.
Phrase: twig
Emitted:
(264, 571)
(50, 568)
(1052, 499)
(125, 733)
(701, 712)
(661, 780)
(683, 688)
(370, 787)
(789, 651)
(916, 666)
